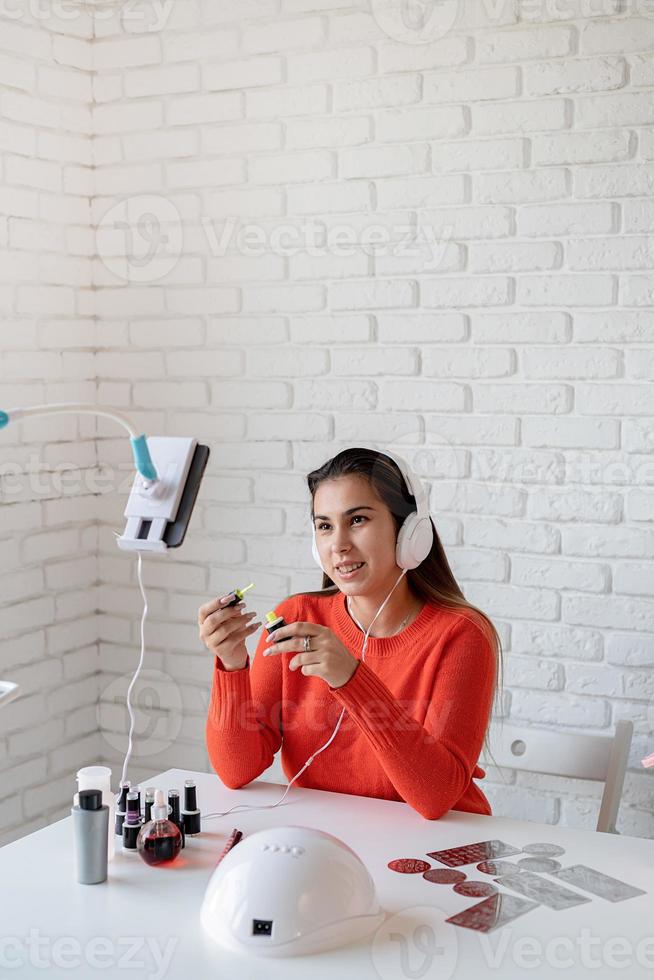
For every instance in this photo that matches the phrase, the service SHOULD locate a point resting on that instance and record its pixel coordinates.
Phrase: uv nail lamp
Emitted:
(290, 891)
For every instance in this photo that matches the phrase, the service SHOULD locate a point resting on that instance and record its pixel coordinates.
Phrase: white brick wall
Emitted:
(48, 632)
(509, 352)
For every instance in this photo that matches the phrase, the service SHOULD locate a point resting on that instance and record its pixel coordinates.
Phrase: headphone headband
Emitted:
(413, 483)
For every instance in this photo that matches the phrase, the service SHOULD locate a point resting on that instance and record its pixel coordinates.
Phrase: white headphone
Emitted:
(416, 534)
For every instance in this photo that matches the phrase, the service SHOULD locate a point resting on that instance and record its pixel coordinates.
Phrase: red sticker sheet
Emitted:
(409, 866)
(475, 889)
(444, 876)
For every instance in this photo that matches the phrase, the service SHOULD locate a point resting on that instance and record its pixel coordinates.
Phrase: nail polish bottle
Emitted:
(149, 801)
(238, 593)
(191, 817)
(160, 841)
(175, 814)
(133, 821)
(273, 622)
(121, 807)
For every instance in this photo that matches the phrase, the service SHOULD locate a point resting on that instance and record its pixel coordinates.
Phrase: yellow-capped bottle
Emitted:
(238, 595)
(274, 622)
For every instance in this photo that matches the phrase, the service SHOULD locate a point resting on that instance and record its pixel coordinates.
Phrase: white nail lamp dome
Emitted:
(290, 891)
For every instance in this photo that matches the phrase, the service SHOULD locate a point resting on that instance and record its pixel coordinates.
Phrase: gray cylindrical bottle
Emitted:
(90, 829)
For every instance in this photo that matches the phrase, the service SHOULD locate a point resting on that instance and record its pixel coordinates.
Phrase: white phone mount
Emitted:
(153, 506)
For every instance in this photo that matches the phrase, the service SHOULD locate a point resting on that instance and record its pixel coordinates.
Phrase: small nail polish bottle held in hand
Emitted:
(238, 595)
(160, 841)
(274, 622)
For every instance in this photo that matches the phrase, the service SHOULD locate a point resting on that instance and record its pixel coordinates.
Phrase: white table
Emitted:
(150, 916)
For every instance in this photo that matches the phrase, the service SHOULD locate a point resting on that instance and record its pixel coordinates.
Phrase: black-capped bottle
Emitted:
(176, 813)
(274, 622)
(133, 821)
(90, 830)
(191, 817)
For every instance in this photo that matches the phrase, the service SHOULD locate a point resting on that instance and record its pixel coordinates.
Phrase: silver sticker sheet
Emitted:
(541, 890)
(497, 868)
(590, 880)
(544, 850)
(538, 864)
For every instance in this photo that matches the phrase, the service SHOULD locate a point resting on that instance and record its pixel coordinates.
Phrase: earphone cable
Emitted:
(138, 669)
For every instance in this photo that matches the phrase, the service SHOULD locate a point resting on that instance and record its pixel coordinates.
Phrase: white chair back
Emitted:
(579, 756)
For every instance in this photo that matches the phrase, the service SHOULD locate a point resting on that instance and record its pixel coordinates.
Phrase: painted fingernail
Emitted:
(227, 598)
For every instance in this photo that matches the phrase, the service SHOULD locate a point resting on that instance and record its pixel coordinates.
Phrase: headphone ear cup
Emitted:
(423, 539)
(404, 557)
(414, 541)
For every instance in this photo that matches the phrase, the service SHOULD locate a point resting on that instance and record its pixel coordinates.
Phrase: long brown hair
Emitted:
(433, 580)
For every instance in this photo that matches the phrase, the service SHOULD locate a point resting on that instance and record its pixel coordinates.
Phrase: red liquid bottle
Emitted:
(160, 841)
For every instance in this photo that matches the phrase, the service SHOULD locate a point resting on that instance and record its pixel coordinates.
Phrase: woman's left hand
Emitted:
(326, 656)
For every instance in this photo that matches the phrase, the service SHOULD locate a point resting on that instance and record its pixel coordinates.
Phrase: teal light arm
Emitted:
(142, 458)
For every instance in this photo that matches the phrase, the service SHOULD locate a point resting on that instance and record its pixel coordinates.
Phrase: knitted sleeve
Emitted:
(243, 729)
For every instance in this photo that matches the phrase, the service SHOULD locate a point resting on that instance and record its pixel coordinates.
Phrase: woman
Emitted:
(417, 707)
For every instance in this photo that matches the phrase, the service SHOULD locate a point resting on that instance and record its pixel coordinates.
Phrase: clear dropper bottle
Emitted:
(160, 841)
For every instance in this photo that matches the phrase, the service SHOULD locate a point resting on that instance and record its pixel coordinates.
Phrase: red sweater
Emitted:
(417, 710)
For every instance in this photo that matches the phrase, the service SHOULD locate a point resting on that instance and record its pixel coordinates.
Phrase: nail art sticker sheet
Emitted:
(590, 880)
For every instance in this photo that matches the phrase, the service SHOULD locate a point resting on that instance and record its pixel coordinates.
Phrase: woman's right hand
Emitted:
(224, 631)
